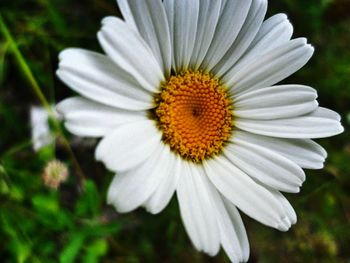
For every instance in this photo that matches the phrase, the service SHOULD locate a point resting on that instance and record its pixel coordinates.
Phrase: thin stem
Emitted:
(23, 65)
(40, 95)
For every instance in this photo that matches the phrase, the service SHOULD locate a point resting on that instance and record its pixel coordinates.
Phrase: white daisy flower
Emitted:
(185, 102)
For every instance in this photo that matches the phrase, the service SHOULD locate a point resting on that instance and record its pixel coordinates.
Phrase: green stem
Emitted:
(23, 65)
(40, 95)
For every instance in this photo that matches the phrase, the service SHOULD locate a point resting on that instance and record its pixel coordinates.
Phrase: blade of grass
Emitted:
(3, 50)
(24, 66)
(40, 95)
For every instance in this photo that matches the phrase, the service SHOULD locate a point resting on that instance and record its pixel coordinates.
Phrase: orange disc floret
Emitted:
(194, 112)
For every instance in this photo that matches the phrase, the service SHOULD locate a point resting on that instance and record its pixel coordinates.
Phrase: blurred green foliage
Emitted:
(74, 224)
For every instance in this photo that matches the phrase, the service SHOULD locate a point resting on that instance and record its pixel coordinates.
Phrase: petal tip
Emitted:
(108, 19)
(284, 225)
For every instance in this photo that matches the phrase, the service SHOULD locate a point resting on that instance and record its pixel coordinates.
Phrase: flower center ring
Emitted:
(194, 113)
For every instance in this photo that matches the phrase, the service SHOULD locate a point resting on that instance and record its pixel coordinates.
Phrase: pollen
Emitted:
(194, 113)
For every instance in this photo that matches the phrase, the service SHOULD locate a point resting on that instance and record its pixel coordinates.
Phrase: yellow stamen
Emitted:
(194, 112)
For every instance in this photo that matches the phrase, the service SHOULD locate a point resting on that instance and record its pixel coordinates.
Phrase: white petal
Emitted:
(265, 166)
(314, 125)
(232, 17)
(274, 32)
(209, 13)
(149, 18)
(276, 102)
(223, 4)
(326, 113)
(197, 210)
(131, 189)
(40, 128)
(96, 77)
(183, 21)
(162, 195)
(249, 30)
(189, 208)
(276, 23)
(250, 197)
(130, 52)
(304, 152)
(271, 67)
(233, 236)
(84, 117)
(291, 215)
(239, 229)
(128, 145)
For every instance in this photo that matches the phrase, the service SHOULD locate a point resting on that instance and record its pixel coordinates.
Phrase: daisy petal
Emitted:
(274, 32)
(162, 195)
(84, 117)
(232, 232)
(149, 19)
(249, 30)
(232, 17)
(253, 199)
(265, 166)
(130, 52)
(304, 152)
(183, 21)
(277, 25)
(239, 230)
(326, 113)
(96, 77)
(128, 145)
(209, 13)
(314, 125)
(276, 102)
(289, 210)
(131, 189)
(271, 67)
(41, 134)
(197, 209)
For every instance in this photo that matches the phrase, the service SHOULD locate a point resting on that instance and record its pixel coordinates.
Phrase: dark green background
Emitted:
(74, 224)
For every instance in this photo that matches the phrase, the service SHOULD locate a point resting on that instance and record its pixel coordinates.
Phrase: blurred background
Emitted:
(56, 212)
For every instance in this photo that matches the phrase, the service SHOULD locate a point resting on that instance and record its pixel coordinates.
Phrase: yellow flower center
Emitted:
(194, 112)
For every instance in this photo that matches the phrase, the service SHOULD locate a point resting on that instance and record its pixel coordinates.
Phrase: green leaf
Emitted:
(72, 249)
(22, 251)
(102, 229)
(16, 193)
(4, 188)
(46, 204)
(47, 152)
(18, 247)
(95, 250)
(88, 204)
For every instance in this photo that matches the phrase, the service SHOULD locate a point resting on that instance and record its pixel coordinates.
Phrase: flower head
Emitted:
(55, 173)
(185, 101)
